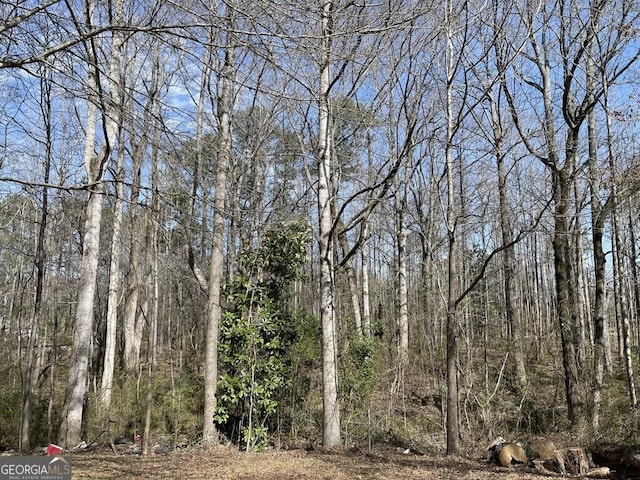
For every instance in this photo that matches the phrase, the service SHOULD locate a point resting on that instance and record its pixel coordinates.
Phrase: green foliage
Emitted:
(181, 408)
(256, 336)
(358, 372)
(307, 349)
(303, 405)
(11, 408)
(10, 405)
(177, 404)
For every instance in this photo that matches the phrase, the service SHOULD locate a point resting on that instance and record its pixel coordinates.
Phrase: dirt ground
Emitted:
(221, 463)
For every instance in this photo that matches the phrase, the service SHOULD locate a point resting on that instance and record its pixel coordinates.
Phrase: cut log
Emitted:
(566, 461)
(600, 472)
(576, 461)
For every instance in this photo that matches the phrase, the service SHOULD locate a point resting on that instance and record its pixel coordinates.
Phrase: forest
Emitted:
(319, 223)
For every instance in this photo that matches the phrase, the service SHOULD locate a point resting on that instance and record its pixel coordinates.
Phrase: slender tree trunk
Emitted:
(453, 426)
(153, 335)
(133, 321)
(331, 406)
(581, 291)
(366, 301)
(54, 353)
(189, 224)
(131, 314)
(352, 279)
(512, 308)
(635, 278)
(621, 298)
(115, 283)
(71, 427)
(452, 327)
(116, 81)
(214, 310)
(402, 292)
(41, 258)
(95, 165)
(597, 233)
(365, 254)
(132, 298)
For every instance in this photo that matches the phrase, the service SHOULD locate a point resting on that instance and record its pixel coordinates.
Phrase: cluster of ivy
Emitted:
(257, 333)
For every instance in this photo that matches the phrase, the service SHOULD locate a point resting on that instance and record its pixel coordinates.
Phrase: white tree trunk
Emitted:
(352, 281)
(115, 283)
(366, 305)
(131, 355)
(115, 274)
(403, 309)
(331, 405)
(95, 166)
(70, 430)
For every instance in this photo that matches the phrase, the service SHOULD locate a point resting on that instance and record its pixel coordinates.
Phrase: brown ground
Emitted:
(223, 463)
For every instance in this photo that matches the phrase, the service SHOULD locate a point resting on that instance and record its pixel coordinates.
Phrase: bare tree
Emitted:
(71, 428)
(498, 139)
(40, 262)
(620, 292)
(331, 405)
(31, 34)
(214, 310)
(560, 66)
(115, 274)
(95, 166)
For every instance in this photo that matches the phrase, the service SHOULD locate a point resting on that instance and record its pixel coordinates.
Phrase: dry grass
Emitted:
(222, 463)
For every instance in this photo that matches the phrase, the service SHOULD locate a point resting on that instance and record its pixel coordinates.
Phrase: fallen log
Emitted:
(623, 459)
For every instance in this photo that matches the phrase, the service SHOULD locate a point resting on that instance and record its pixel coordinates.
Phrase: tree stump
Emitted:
(567, 461)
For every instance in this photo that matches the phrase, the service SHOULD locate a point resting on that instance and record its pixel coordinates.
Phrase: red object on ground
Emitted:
(137, 439)
(54, 449)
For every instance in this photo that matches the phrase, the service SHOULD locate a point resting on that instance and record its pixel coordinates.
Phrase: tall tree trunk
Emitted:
(452, 327)
(153, 334)
(197, 165)
(365, 253)
(115, 283)
(214, 310)
(135, 276)
(366, 305)
(95, 166)
(565, 296)
(635, 278)
(582, 299)
(116, 85)
(620, 294)
(133, 320)
(40, 263)
(402, 291)
(512, 309)
(331, 406)
(597, 233)
(71, 427)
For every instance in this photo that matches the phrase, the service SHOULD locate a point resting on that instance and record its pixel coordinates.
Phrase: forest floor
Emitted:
(221, 463)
